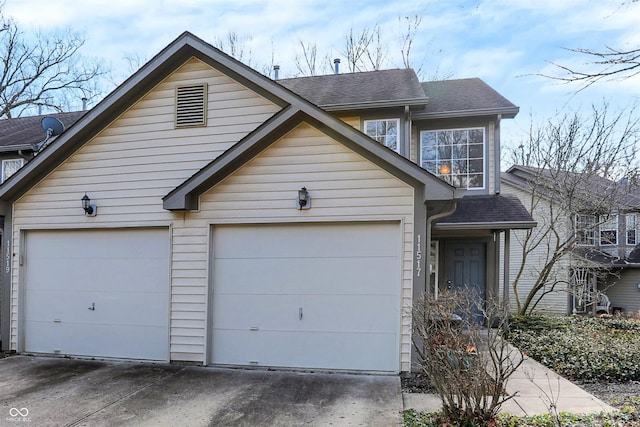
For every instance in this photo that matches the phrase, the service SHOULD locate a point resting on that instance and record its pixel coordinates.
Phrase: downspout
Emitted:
(427, 249)
(407, 131)
(497, 153)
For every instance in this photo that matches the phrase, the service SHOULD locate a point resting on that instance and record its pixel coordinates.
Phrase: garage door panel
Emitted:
(132, 308)
(80, 338)
(268, 241)
(304, 350)
(122, 274)
(76, 244)
(346, 277)
(366, 275)
(319, 312)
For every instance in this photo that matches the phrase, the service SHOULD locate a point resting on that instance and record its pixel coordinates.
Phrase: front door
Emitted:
(466, 270)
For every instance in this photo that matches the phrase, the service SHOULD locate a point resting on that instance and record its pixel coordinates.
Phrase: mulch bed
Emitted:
(417, 383)
(617, 395)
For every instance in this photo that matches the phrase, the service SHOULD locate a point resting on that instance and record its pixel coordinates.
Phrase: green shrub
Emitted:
(537, 323)
(581, 348)
(623, 418)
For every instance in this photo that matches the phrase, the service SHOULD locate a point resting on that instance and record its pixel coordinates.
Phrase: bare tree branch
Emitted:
(611, 64)
(43, 69)
(608, 64)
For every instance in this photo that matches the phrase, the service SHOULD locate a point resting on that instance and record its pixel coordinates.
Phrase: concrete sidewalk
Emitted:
(537, 389)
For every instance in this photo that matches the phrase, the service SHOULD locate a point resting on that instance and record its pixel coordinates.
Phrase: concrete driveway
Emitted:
(62, 392)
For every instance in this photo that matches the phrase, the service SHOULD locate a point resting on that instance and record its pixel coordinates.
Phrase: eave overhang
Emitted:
(505, 113)
(413, 103)
(16, 147)
(486, 225)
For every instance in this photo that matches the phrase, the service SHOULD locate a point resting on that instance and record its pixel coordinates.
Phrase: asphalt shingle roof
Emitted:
(462, 95)
(28, 130)
(591, 187)
(358, 88)
(489, 209)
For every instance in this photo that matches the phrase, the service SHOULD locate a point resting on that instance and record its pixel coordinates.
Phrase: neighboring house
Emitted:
(19, 137)
(231, 219)
(601, 227)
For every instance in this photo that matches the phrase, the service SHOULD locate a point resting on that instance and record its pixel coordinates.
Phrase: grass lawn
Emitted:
(603, 354)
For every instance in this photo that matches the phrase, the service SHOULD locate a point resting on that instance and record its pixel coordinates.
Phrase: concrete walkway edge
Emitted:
(538, 390)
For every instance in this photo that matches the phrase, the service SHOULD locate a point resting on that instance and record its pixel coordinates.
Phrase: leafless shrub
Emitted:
(468, 364)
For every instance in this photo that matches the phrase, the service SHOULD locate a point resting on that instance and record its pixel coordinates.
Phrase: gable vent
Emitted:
(191, 104)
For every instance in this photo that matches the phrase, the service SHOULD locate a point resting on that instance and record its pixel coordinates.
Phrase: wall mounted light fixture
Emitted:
(304, 199)
(89, 209)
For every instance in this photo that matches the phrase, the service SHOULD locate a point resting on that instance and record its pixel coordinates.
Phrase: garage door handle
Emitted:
(93, 306)
(300, 313)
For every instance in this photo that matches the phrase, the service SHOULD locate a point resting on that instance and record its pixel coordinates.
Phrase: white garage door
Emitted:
(307, 296)
(97, 293)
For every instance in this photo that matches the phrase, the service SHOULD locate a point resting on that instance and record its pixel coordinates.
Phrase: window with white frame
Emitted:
(386, 132)
(455, 155)
(10, 166)
(585, 226)
(632, 229)
(608, 230)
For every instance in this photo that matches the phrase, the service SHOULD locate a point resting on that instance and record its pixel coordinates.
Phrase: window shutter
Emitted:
(191, 102)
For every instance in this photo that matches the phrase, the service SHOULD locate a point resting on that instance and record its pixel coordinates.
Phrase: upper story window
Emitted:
(632, 229)
(608, 230)
(585, 229)
(10, 166)
(455, 155)
(386, 132)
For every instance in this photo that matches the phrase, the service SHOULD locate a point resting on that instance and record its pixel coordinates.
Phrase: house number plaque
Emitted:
(418, 255)
(8, 260)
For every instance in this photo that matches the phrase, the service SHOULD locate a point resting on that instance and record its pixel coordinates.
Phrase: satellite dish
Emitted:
(52, 127)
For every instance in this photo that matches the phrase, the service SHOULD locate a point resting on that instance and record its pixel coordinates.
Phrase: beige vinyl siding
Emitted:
(352, 121)
(127, 169)
(343, 187)
(623, 291)
(554, 302)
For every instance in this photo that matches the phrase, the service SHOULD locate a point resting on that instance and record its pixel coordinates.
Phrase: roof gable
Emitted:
(294, 110)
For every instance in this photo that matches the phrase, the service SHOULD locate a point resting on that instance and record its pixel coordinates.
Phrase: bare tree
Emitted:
(239, 47)
(571, 166)
(606, 64)
(43, 70)
(365, 51)
(307, 61)
(408, 36)
(236, 45)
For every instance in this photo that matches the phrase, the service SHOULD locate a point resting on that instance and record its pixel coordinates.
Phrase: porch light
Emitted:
(304, 200)
(89, 209)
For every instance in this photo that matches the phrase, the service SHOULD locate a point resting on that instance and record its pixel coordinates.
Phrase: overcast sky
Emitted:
(504, 42)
